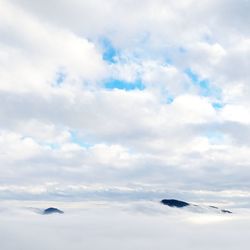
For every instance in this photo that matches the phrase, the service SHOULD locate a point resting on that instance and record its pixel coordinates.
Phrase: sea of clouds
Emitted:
(119, 225)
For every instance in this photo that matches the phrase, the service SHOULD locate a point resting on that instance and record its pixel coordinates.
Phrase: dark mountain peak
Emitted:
(226, 211)
(214, 207)
(174, 203)
(180, 204)
(52, 210)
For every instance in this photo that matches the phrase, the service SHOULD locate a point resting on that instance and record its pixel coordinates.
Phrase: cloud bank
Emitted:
(121, 225)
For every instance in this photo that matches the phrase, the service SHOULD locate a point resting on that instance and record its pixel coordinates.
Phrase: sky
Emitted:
(127, 98)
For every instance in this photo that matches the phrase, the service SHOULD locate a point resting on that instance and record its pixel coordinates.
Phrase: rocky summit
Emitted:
(193, 207)
(52, 210)
(174, 203)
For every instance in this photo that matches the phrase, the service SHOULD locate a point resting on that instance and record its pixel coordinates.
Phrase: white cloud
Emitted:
(59, 124)
(33, 53)
(236, 113)
(141, 225)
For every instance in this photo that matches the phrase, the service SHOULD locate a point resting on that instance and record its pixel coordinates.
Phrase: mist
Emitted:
(124, 226)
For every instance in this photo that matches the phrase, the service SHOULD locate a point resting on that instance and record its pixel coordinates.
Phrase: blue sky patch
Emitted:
(60, 78)
(170, 99)
(192, 75)
(215, 137)
(204, 85)
(217, 105)
(109, 51)
(119, 84)
(77, 140)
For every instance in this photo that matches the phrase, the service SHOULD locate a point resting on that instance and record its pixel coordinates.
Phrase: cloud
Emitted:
(124, 93)
(139, 224)
(34, 53)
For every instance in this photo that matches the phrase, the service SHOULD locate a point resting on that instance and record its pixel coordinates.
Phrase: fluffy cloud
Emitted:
(35, 55)
(178, 117)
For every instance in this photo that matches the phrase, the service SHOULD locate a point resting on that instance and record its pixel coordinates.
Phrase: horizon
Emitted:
(119, 104)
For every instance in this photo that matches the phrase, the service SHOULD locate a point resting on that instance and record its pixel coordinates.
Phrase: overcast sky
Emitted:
(124, 96)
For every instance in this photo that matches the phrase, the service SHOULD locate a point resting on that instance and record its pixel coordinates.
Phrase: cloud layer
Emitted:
(104, 225)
